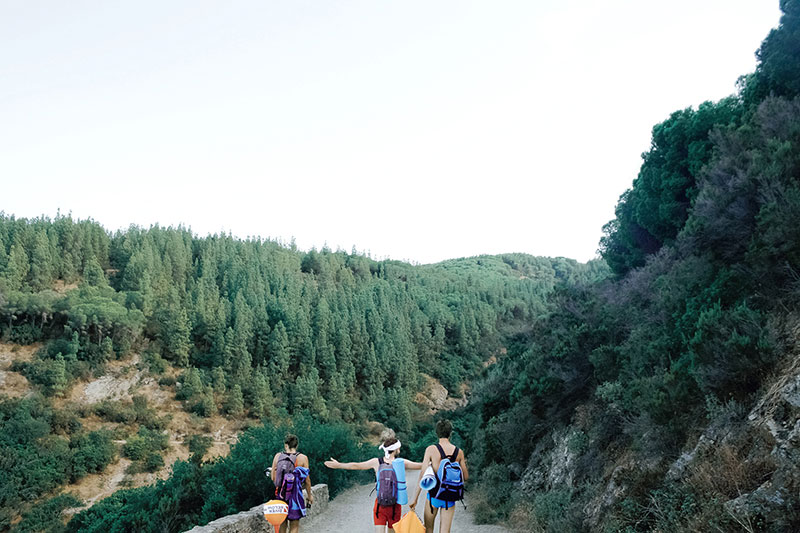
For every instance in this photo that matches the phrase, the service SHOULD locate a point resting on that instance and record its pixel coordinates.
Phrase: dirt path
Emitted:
(351, 511)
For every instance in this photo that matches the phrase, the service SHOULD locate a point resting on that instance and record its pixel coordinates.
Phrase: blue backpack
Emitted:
(451, 485)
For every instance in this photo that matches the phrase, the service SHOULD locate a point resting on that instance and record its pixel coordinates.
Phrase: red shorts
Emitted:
(386, 516)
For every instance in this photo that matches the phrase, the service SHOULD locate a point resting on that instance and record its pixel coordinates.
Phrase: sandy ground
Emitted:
(351, 511)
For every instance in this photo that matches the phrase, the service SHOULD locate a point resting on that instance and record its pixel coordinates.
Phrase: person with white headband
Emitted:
(384, 516)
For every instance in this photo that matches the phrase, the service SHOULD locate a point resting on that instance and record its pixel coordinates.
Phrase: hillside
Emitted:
(665, 398)
(655, 390)
(123, 353)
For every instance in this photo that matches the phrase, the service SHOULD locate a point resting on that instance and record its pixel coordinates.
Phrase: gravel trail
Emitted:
(351, 511)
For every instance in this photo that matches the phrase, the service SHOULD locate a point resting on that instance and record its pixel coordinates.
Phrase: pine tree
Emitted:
(261, 400)
(234, 404)
(41, 262)
(278, 357)
(18, 267)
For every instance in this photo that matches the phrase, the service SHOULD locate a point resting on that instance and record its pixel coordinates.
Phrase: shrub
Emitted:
(153, 462)
(92, 452)
(46, 517)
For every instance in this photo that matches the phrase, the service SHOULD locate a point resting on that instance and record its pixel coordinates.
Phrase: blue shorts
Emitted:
(439, 504)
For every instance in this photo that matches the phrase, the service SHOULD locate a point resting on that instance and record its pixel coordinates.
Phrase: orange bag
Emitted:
(409, 523)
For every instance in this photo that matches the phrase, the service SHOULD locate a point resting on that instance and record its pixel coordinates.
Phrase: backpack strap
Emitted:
(291, 456)
(441, 450)
(380, 462)
(454, 456)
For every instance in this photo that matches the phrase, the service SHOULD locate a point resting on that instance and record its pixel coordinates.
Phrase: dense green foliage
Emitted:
(628, 372)
(254, 328)
(198, 492)
(261, 328)
(42, 448)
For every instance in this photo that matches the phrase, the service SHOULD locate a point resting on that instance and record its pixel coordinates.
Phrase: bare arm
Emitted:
(272, 472)
(462, 460)
(411, 465)
(363, 465)
(302, 460)
(428, 459)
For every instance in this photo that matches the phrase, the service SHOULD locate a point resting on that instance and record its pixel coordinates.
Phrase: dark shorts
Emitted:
(386, 516)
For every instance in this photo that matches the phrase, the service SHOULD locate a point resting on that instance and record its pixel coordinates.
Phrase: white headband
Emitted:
(388, 449)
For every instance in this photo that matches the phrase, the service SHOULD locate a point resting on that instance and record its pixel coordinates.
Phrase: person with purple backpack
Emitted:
(290, 474)
(390, 475)
(450, 466)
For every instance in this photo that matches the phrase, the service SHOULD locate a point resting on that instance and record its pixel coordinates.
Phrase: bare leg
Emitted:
(447, 519)
(430, 517)
(283, 526)
(294, 526)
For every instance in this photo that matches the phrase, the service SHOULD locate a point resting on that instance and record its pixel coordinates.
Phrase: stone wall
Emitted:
(254, 521)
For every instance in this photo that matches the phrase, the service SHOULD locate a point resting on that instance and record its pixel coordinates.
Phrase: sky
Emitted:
(410, 130)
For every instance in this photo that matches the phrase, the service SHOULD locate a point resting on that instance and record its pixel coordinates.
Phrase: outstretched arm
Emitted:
(363, 465)
(411, 465)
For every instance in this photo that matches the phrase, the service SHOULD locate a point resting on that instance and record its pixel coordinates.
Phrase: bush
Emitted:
(115, 411)
(24, 334)
(553, 510)
(92, 453)
(46, 517)
(198, 492)
(146, 441)
(167, 381)
(153, 462)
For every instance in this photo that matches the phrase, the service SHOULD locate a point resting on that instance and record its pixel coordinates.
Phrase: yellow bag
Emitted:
(409, 524)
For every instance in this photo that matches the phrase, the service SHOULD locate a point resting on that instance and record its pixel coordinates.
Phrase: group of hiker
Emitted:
(445, 473)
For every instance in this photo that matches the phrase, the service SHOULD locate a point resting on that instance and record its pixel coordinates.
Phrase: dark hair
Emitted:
(291, 440)
(444, 428)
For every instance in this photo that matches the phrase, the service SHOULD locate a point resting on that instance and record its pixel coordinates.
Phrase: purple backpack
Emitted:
(387, 484)
(285, 479)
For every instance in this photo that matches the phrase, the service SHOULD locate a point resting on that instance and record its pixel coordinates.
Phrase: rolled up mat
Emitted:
(428, 479)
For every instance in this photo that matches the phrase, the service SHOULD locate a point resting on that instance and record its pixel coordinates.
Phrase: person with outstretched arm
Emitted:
(392, 469)
(437, 455)
(289, 472)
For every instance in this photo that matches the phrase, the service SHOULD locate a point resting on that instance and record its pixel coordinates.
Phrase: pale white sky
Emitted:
(416, 130)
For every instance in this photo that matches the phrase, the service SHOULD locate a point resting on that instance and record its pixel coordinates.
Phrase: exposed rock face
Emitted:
(779, 413)
(777, 417)
(253, 520)
(434, 397)
(562, 461)
(615, 490)
(551, 466)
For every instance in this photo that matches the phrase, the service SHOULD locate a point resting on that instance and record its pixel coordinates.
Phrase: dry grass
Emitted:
(14, 384)
(733, 469)
(522, 518)
(61, 286)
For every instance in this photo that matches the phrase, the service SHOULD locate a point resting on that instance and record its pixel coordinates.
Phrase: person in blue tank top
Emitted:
(384, 516)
